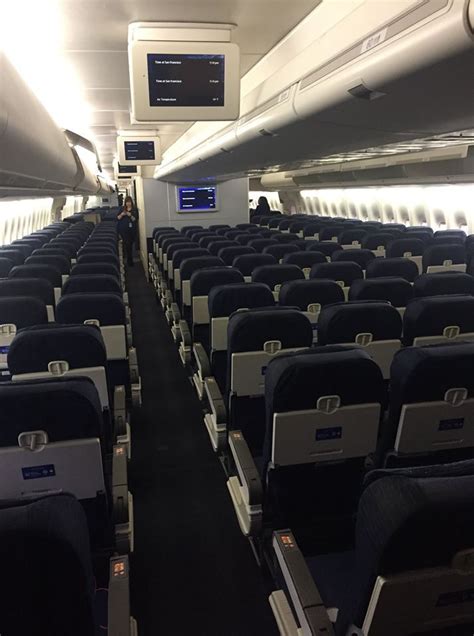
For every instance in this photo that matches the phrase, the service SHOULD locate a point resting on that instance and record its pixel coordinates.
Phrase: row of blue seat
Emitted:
(66, 440)
(302, 427)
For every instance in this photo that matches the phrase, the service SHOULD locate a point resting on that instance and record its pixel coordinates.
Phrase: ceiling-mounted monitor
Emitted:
(126, 172)
(139, 151)
(197, 198)
(126, 169)
(184, 81)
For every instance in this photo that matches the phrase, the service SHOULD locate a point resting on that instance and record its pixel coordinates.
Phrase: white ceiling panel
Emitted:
(78, 51)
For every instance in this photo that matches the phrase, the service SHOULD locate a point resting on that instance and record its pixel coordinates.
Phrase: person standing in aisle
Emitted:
(127, 227)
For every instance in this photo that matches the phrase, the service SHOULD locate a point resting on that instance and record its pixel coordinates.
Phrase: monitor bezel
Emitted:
(179, 210)
(138, 162)
(141, 109)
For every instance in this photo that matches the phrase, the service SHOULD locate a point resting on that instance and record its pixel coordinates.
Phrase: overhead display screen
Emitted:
(139, 150)
(186, 79)
(197, 198)
(127, 169)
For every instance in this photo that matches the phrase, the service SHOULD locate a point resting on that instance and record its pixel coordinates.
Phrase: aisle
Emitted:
(193, 572)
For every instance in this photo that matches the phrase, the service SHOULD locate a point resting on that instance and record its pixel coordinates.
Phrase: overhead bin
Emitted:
(35, 156)
(439, 165)
(406, 79)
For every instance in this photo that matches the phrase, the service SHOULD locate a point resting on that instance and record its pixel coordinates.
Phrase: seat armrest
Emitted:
(169, 298)
(186, 339)
(202, 360)
(120, 411)
(216, 401)
(248, 472)
(176, 314)
(119, 620)
(119, 466)
(306, 599)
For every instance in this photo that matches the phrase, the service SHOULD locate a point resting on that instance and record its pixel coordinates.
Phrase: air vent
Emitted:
(266, 133)
(362, 92)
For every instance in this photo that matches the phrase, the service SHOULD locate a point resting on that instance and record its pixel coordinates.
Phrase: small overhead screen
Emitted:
(127, 169)
(139, 151)
(184, 81)
(197, 198)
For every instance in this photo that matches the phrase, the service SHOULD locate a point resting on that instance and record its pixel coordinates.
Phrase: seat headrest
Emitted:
(66, 408)
(228, 254)
(181, 255)
(397, 291)
(249, 330)
(35, 287)
(346, 271)
(85, 269)
(301, 293)
(443, 283)
(430, 316)
(304, 259)
(279, 251)
(248, 262)
(295, 381)
(342, 322)
(360, 256)
(192, 264)
(377, 239)
(424, 374)
(203, 280)
(33, 348)
(224, 300)
(22, 311)
(102, 283)
(273, 275)
(46, 272)
(437, 254)
(400, 267)
(107, 308)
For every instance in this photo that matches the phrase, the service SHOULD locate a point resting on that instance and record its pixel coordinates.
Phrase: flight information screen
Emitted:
(139, 150)
(196, 198)
(127, 169)
(186, 80)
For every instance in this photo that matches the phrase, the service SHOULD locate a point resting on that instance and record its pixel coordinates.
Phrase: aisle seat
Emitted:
(53, 440)
(223, 301)
(322, 413)
(408, 577)
(51, 567)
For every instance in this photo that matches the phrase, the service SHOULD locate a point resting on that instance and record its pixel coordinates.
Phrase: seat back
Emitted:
(246, 263)
(92, 283)
(443, 283)
(323, 410)
(439, 258)
(45, 553)
(395, 290)
(275, 275)
(438, 319)
(373, 325)
(254, 338)
(343, 272)
(61, 421)
(399, 267)
(105, 310)
(427, 570)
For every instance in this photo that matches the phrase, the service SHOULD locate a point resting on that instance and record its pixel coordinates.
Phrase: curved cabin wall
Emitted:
(440, 207)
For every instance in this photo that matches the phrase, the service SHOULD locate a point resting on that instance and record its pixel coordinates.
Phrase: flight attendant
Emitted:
(127, 227)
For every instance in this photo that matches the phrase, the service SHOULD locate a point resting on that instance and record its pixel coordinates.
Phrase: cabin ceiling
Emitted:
(90, 37)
